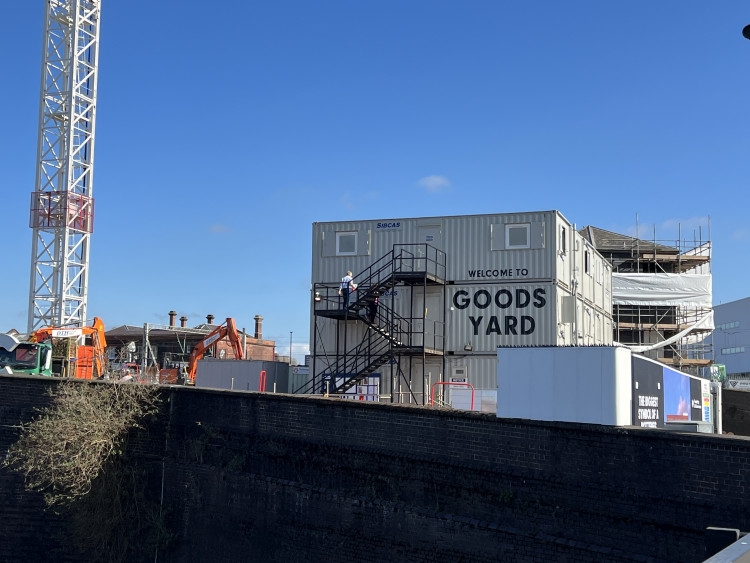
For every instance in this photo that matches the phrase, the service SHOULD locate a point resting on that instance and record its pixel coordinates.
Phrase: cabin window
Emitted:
(517, 236)
(346, 243)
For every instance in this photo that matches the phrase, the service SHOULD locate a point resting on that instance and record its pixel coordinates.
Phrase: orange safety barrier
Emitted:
(432, 394)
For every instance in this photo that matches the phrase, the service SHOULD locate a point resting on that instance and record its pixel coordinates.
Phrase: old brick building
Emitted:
(156, 347)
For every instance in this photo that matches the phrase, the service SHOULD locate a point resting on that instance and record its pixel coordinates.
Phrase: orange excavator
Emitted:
(70, 359)
(228, 330)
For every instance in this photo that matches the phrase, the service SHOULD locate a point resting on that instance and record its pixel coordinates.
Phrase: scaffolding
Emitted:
(661, 295)
(149, 357)
(390, 337)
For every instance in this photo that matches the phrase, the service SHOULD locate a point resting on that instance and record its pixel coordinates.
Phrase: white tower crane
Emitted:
(62, 206)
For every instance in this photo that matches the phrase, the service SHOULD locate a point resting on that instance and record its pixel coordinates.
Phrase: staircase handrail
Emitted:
(394, 330)
(408, 254)
(352, 368)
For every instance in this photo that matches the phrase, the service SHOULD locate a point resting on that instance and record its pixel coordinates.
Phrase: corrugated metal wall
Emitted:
(473, 243)
(474, 246)
(481, 371)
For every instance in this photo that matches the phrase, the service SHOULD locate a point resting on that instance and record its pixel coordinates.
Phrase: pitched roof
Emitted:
(607, 241)
(124, 331)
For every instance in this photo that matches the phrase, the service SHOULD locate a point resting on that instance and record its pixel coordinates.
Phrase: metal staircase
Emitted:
(383, 340)
(388, 335)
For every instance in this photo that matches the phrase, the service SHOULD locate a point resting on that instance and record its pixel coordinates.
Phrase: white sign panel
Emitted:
(66, 332)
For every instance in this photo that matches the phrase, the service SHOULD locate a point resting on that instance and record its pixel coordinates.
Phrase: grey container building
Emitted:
(450, 291)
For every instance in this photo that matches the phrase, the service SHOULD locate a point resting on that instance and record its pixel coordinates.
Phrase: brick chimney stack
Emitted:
(183, 321)
(210, 319)
(258, 327)
(172, 317)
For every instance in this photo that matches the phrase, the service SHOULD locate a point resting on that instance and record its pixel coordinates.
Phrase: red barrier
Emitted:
(432, 394)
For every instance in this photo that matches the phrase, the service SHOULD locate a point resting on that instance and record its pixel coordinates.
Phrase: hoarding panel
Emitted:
(573, 384)
(648, 395)
(662, 394)
(544, 397)
(573, 390)
(676, 396)
(696, 400)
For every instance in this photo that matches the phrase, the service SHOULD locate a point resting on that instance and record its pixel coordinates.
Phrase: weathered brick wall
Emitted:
(285, 478)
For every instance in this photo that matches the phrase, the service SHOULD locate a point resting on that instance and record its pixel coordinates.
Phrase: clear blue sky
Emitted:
(225, 130)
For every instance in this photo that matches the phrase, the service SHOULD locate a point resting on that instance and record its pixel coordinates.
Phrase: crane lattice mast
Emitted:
(62, 206)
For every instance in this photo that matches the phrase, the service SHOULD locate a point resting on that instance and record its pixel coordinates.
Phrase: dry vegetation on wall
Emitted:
(68, 444)
(74, 453)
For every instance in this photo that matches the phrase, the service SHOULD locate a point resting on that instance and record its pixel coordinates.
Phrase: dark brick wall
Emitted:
(285, 478)
(736, 411)
(26, 532)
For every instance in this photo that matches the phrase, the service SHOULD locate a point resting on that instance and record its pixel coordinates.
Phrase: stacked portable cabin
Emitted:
(450, 291)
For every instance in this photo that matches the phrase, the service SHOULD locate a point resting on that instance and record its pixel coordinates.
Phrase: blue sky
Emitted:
(225, 130)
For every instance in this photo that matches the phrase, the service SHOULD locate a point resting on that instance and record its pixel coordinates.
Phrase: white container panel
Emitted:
(475, 250)
(481, 371)
(576, 384)
(327, 267)
(474, 245)
(375, 240)
(420, 387)
(564, 271)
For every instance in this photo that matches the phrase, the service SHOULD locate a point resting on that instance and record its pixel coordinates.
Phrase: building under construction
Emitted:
(661, 296)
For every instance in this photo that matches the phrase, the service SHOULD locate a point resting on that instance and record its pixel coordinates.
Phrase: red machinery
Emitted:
(228, 330)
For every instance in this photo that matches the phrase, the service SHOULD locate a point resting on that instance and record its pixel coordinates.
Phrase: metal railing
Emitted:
(355, 365)
(388, 332)
(419, 258)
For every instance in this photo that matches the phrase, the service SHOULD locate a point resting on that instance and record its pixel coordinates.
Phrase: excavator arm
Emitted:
(228, 330)
(100, 345)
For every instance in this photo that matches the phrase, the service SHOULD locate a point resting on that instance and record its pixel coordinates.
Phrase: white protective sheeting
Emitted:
(692, 290)
(706, 321)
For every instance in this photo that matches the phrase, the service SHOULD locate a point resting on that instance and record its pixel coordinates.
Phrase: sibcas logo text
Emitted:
(389, 225)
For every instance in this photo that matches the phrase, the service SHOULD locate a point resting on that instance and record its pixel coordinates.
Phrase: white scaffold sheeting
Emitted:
(706, 321)
(689, 290)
